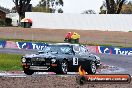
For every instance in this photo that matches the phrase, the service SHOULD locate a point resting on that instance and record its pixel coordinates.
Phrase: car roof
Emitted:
(64, 44)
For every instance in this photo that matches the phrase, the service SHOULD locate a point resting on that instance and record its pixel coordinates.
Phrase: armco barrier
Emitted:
(22, 45)
(2, 44)
(11, 44)
(91, 49)
(40, 46)
(114, 50)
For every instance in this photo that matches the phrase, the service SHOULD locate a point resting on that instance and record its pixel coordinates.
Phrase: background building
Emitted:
(3, 12)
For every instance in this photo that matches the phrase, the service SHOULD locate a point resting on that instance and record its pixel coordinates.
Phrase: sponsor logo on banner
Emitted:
(2, 44)
(123, 51)
(38, 46)
(114, 50)
(29, 45)
(23, 45)
(101, 49)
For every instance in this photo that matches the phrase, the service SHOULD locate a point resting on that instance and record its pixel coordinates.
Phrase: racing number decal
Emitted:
(75, 61)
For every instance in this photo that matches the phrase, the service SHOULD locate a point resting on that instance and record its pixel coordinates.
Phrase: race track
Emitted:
(115, 63)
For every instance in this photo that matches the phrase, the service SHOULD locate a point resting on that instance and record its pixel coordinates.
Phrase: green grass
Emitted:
(23, 40)
(10, 62)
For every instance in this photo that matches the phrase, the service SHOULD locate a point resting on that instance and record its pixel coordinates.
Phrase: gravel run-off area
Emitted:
(52, 81)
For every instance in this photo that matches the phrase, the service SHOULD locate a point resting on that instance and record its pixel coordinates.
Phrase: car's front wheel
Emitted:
(92, 68)
(63, 68)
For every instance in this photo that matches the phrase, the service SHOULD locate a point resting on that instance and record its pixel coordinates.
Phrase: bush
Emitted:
(2, 23)
(8, 22)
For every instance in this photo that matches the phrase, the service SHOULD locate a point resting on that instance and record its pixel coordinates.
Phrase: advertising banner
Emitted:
(30, 45)
(114, 50)
(2, 44)
(41, 46)
(11, 44)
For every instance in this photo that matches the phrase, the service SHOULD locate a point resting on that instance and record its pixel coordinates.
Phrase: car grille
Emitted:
(40, 61)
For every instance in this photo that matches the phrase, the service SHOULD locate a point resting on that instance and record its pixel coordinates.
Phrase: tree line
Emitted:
(52, 6)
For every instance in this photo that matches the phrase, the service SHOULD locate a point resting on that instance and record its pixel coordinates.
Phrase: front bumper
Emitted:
(39, 67)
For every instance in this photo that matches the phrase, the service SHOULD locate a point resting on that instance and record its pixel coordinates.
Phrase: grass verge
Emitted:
(91, 44)
(10, 62)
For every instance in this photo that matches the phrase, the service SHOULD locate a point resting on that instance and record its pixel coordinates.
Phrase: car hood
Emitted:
(97, 57)
(45, 55)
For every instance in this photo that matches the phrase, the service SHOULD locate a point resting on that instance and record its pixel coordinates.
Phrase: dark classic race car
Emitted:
(61, 58)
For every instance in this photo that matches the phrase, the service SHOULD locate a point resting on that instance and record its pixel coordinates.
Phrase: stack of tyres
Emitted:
(22, 24)
(26, 23)
(75, 38)
(72, 37)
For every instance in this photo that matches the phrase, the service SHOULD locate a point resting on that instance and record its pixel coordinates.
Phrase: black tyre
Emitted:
(72, 40)
(28, 71)
(69, 40)
(92, 68)
(76, 40)
(63, 68)
(66, 40)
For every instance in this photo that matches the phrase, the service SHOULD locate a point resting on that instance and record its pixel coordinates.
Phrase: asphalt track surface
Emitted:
(118, 64)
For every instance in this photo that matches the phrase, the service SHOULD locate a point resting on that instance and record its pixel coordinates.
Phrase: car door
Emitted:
(83, 55)
(74, 61)
(79, 58)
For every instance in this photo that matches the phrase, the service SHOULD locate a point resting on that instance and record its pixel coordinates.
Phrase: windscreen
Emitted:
(58, 49)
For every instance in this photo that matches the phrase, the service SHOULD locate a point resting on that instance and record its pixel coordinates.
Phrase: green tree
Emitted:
(49, 6)
(60, 10)
(127, 8)
(113, 6)
(21, 7)
(88, 12)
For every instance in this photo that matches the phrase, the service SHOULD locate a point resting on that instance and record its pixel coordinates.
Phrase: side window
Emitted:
(83, 50)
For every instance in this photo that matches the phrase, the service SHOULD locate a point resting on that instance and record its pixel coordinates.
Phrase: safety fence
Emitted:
(40, 46)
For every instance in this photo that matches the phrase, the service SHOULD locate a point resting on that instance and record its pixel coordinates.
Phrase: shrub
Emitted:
(8, 22)
(2, 23)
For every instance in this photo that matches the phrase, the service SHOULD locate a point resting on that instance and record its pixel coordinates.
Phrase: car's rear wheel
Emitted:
(28, 71)
(63, 68)
(92, 68)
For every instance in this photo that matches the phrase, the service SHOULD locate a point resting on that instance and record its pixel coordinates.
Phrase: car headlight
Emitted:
(53, 60)
(23, 60)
